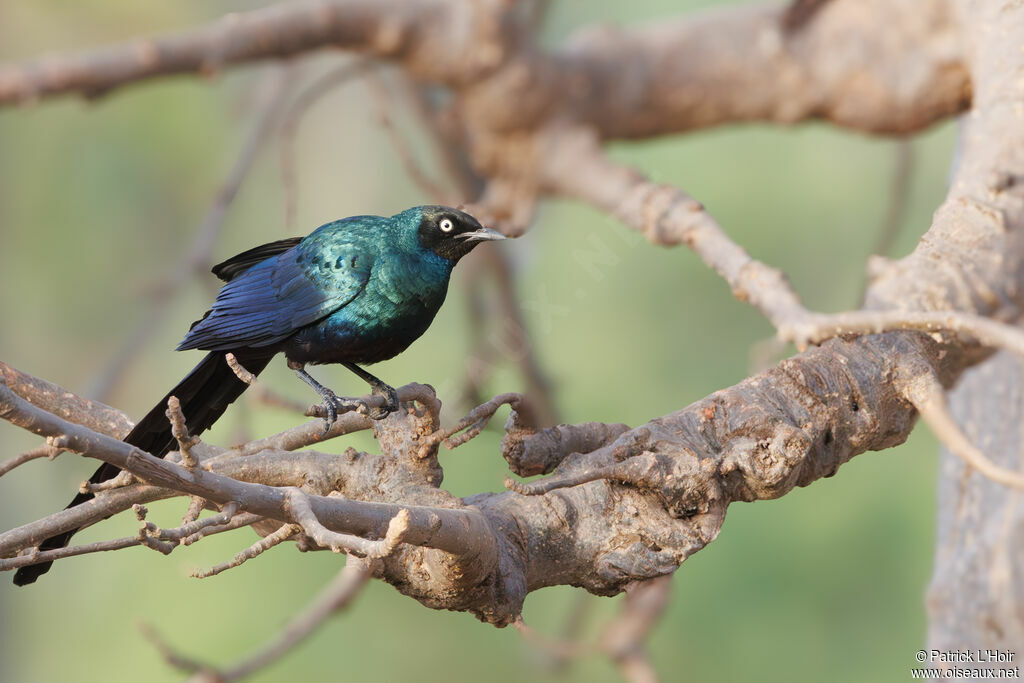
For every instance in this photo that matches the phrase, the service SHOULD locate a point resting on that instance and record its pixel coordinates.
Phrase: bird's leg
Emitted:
(328, 397)
(333, 404)
(378, 388)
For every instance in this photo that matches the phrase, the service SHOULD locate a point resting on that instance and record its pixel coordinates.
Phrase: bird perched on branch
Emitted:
(358, 290)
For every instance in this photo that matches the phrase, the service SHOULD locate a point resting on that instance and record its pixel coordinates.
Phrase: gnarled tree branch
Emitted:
(621, 505)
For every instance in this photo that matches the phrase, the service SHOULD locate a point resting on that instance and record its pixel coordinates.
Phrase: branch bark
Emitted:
(621, 505)
(733, 64)
(380, 27)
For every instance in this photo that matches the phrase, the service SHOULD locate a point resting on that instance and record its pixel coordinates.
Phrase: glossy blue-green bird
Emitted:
(358, 290)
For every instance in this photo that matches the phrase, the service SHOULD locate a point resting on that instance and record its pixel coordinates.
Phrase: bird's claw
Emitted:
(391, 401)
(330, 406)
(334, 405)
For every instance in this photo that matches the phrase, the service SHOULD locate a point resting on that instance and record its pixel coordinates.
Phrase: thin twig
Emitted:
(450, 148)
(123, 478)
(195, 508)
(474, 422)
(572, 628)
(45, 450)
(816, 328)
(337, 595)
(149, 532)
(149, 535)
(237, 522)
(928, 396)
(192, 527)
(558, 649)
(539, 488)
(624, 637)
(266, 543)
(623, 471)
(166, 540)
(173, 657)
(36, 556)
(305, 435)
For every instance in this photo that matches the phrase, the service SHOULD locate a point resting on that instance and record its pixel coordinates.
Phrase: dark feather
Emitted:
(204, 394)
(270, 300)
(236, 265)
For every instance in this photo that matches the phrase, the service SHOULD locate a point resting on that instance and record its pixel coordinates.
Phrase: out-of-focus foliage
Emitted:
(98, 201)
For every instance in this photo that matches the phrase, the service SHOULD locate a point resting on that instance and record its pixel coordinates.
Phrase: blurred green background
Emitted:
(98, 202)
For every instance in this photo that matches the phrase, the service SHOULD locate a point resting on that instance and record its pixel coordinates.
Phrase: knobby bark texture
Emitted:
(623, 505)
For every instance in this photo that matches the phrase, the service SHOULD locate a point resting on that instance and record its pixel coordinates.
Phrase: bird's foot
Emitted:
(334, 405)
(391, 403)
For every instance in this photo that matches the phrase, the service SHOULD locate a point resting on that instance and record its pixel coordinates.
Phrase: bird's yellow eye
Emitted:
(446, 225)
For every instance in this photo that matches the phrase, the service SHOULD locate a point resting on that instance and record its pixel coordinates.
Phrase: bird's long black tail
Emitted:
(205, 394)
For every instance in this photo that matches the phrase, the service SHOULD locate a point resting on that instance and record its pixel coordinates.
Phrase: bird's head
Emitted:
(451, 233)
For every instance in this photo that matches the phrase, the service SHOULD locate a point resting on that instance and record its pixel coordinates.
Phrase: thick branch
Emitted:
(442, 529)
(890, 66)
(96, 416)
(381, 27)
(733, 64)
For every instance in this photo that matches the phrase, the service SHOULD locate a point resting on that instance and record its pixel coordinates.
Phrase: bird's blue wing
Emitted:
(236, 265)
(272, 299)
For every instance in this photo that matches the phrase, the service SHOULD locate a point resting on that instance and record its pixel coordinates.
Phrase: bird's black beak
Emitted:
(481, 235)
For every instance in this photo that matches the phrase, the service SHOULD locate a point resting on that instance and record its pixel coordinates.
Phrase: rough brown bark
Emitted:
(624, 505)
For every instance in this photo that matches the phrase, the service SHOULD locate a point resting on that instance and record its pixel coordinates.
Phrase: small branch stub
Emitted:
(180, 432)
(297, 503)
(239, 370)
